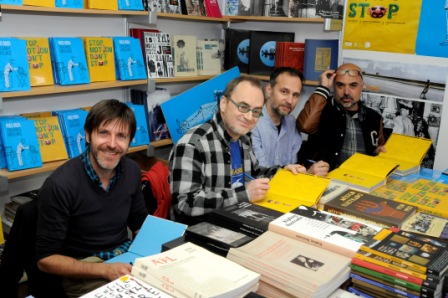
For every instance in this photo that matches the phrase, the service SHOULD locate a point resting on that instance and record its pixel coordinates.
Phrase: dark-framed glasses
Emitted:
(350, 72)
(244, 108)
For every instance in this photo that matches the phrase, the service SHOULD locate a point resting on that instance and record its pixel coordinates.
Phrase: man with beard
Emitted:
(86, 205)
(213, 164)
(275, 138)
(340, 125)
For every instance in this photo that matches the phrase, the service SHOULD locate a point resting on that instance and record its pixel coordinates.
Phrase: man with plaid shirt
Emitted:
(213, 164)
(340, 125)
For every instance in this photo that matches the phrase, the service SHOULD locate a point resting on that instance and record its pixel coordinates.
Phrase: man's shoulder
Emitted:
(197, 133)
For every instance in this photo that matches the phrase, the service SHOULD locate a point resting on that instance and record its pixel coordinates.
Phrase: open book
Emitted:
(407, 151)
(288, 191)
(363, 172)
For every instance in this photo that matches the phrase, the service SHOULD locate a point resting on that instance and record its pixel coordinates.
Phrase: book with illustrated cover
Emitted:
(196, 272)
(72, 125)
(51, 141)
(289, 54)
(129, 61)
(427, 224)
(288, 191)
(194, 8)
(184, 48)
(42, 3)
(102, 4)
(208, 57)
(274, 8)
(130, 5)
(39, 61)
(13, 65)
(370, 208)
(320, 55)
(330, 232)
(166, 6)
(407, 151)
(237, 49)
(212, 8)
(263, 48)
(333, 190)
(230, 7)
(244, 217)
(100, 58)
(141, 134)
(69, 61)
(139, 34)
(20, 143)
(69, 4)
(158, 128)
(363, 172)
(158, 55)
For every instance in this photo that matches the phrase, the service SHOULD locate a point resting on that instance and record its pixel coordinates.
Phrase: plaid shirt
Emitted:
(353, 140)
(200, 170)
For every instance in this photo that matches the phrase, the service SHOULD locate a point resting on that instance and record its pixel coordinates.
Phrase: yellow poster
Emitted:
(382, 25)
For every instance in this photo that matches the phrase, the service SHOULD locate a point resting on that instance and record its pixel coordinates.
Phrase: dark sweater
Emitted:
(78, 218)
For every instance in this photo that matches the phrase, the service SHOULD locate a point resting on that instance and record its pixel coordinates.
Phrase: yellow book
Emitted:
(363, 172)
(39, 61)
(2, 238)
(51, 142)
(102, 4)
(43, 3)
(407, 151)
(100, 58)
(288, 191)
(34, 115)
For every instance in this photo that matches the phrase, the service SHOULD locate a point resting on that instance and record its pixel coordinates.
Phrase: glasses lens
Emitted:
(350, 72)
(243, 108)
(257, 113)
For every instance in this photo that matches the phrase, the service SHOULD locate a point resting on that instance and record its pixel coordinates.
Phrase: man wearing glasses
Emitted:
(213, 164)
(340, 125)
(275, 138)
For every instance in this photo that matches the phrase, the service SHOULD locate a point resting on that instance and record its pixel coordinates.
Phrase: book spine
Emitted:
(356, 277)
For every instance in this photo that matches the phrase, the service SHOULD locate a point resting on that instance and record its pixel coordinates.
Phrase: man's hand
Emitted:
(326, 78)
(320, 168)
(257, 189)
(380, 149)
(295, 168)
(117, 270)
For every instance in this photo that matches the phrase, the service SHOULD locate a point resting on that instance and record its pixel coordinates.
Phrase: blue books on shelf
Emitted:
(319, 56)
(68, 60)
(154, 232)
(130, 5)
(129, 62)
(196, 105)
(141, 134)
(13, 2)
(72, 126)
(14, 74)
(69, 3)
(20, 143)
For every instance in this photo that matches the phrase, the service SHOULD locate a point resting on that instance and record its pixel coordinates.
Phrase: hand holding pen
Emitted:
(257, 188)
(318, 168)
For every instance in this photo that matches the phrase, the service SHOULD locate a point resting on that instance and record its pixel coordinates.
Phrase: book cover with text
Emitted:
(208, 57)
(320, 55)
(72, 125)
(14, 75)
(51, 142)
(100, 58)
(141, 134)
(79, 4)
(130, 5)
(129, 62)
(158, 55)
(39, 61)
(237, 49)
(184, 48)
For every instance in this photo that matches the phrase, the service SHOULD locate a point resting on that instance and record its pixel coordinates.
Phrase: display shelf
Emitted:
(161, 143)
(51, 166)
(274, 19)
(54, 10)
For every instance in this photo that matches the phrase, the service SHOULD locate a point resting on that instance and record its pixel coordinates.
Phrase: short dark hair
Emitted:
(244, 78)
(108, 110)
(293, 72)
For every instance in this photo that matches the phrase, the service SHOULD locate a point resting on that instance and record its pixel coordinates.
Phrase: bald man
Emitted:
(339, 125)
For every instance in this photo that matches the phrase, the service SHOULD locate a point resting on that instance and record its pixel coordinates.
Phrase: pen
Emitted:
(249, 176)
(311, 161)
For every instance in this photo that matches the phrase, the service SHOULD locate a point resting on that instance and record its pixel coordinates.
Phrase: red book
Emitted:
(138, 33)
(212, 8)
(289, 54)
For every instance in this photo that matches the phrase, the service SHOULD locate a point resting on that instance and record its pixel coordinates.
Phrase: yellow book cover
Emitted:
(34, 115)
(51, 142)
(2, 238)
(288, 191)
(407, 151)
(43, 3)
(102, 4)
(100, 58)
(363, 172)
(39, 61)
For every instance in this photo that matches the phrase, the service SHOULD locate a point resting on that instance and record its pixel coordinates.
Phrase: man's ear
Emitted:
(87, 137)
(222, 103)
(268, 89)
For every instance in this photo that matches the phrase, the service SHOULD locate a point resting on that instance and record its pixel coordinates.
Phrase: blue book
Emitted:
(13, 2)
(154, 232)
(69, 3)
(129, 62)
(130, 5)
(141, 134)
(381, 285)
(72, 126)
(69, 61)
(196, 105)
(20, 143)
(320, 55)
(14, 74)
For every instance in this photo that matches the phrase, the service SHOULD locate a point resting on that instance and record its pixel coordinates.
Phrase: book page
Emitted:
(405, 148)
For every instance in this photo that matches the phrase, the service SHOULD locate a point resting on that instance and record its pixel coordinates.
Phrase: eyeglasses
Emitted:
(244, 108)
(350, 72)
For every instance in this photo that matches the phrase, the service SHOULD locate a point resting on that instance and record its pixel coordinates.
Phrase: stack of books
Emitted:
(292, 268)
(400, 263)
(17, 201)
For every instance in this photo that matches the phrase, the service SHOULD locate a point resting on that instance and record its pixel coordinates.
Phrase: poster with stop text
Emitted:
(382, 25)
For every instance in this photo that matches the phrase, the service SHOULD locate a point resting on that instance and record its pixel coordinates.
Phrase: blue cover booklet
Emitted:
(14, 75)
(129, 62)
(68, 60)
(20, 143)
(69, 3)
(196, 105)
(13, 2)
(141, 134)
(72, 126)
(130, 5)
